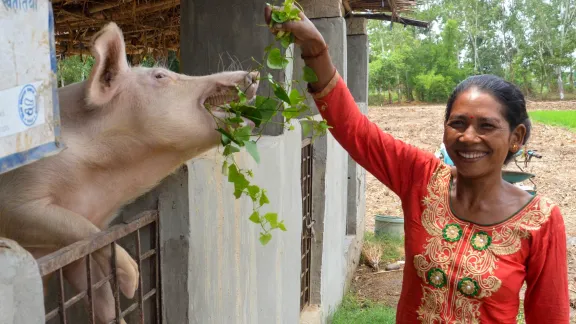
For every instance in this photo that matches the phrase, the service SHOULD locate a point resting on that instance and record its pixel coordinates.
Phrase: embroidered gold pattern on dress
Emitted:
(471, 261)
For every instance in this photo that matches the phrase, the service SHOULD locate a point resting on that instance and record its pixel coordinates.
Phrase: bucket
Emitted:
(389, 225)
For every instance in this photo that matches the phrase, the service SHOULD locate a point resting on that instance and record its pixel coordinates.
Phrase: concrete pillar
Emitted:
(334, 32)
(218, 35)
(21, 291)
(357, 42)
(329, 204)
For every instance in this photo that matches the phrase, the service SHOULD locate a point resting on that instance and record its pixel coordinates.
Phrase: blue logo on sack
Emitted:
(27, 105)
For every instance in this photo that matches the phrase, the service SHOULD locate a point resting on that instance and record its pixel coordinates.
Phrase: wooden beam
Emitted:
(387, 17)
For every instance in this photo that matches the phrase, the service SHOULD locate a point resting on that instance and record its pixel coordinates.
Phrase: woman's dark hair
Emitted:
(505, 92)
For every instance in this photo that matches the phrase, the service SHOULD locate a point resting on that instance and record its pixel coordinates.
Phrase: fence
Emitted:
(306, 242)
(146, 294)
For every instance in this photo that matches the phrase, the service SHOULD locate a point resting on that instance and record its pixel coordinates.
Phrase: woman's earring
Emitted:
(515, 147)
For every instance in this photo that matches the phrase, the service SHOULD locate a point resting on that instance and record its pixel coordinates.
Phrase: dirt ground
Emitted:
(421, 126)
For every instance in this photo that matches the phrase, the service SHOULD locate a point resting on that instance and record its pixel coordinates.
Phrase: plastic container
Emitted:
(389, 225)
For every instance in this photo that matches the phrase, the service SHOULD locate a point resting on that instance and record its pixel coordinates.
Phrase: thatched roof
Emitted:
(379, 9)
(153, 26)
(149, 26)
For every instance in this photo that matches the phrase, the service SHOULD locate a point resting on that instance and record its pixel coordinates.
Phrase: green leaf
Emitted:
(275, 60)
(291, 112)
(255, 116)
(272, 218)
(294, 14)
(268, 48)
(234, 120)
(264, 199)
(253, 192)
(242, 134)
(286, 40)
(226, 137)
(295, 97)
(265, 238)
(281, 93)
(238, 179)
(279, 16)
(225, 168)
(309, 75)
(306, 128)
(255, 217)
(281, 226)
(268, 107)
(230, 149)
(241, 95)
(252, 148)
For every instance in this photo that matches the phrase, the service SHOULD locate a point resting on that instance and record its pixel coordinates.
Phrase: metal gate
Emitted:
(147, 297)
(306, 242)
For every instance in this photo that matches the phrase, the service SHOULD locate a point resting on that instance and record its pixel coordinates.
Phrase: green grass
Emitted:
(392, 247)
(353, 310)
(563, 118)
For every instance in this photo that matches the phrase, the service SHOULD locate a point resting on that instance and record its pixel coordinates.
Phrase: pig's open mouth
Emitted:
(219, 103)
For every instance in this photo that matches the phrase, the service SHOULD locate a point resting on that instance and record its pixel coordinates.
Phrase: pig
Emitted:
(124, 129)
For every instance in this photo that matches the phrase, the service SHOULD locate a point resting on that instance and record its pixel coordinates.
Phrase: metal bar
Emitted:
(102, 282)
(74, 299)
(61, 297)
(115, 286)
(75, 251)
(158, 267)
(52, 314)
(141, 288)
(90, 291)
(148, 254)
(130, 309)
(149, 294)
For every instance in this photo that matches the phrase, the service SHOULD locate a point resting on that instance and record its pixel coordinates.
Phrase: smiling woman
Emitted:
(471, 238)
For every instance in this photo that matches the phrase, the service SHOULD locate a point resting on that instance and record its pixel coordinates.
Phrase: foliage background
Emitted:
(528, 42)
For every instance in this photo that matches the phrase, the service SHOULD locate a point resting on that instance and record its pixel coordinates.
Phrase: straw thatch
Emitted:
(149, 26)
(388, 10)
(381, 5)
(153, 26)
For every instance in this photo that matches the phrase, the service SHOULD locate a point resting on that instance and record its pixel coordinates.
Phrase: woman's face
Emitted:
(477, 136)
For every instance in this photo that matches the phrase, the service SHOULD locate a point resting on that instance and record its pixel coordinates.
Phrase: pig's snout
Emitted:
(252, 80)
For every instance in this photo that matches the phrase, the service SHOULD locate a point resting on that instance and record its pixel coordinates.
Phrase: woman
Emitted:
(472, 239)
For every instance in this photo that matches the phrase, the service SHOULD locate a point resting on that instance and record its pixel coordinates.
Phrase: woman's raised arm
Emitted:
(400, 166)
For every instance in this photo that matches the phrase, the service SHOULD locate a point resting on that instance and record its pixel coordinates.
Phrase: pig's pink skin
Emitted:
(125, 129)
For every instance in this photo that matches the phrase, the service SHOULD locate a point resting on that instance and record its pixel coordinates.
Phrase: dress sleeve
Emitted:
(399, 166)
(546, 299)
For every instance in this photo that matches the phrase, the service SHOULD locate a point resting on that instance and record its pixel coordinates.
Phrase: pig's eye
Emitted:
(160, 75)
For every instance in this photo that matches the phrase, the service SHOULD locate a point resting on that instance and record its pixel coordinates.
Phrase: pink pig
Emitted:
(125, 128)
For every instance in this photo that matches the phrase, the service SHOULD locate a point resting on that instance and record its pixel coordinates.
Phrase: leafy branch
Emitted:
(290, 104)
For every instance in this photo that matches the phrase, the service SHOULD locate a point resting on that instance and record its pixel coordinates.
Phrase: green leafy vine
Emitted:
(289, 103)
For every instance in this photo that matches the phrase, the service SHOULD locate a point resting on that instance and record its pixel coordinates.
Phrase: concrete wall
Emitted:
(232, 277)
(220, 35)
(21, 296)
(335, 244)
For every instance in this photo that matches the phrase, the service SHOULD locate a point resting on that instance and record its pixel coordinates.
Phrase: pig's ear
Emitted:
(109, 52)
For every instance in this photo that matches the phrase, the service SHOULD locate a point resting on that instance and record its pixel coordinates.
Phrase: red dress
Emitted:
(456, 271)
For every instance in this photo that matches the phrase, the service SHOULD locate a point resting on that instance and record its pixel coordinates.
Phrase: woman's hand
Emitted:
(312, 44)
(305, 33)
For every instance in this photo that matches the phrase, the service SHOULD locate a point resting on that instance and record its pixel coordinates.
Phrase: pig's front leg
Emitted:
(103, 298)
(36, 224)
